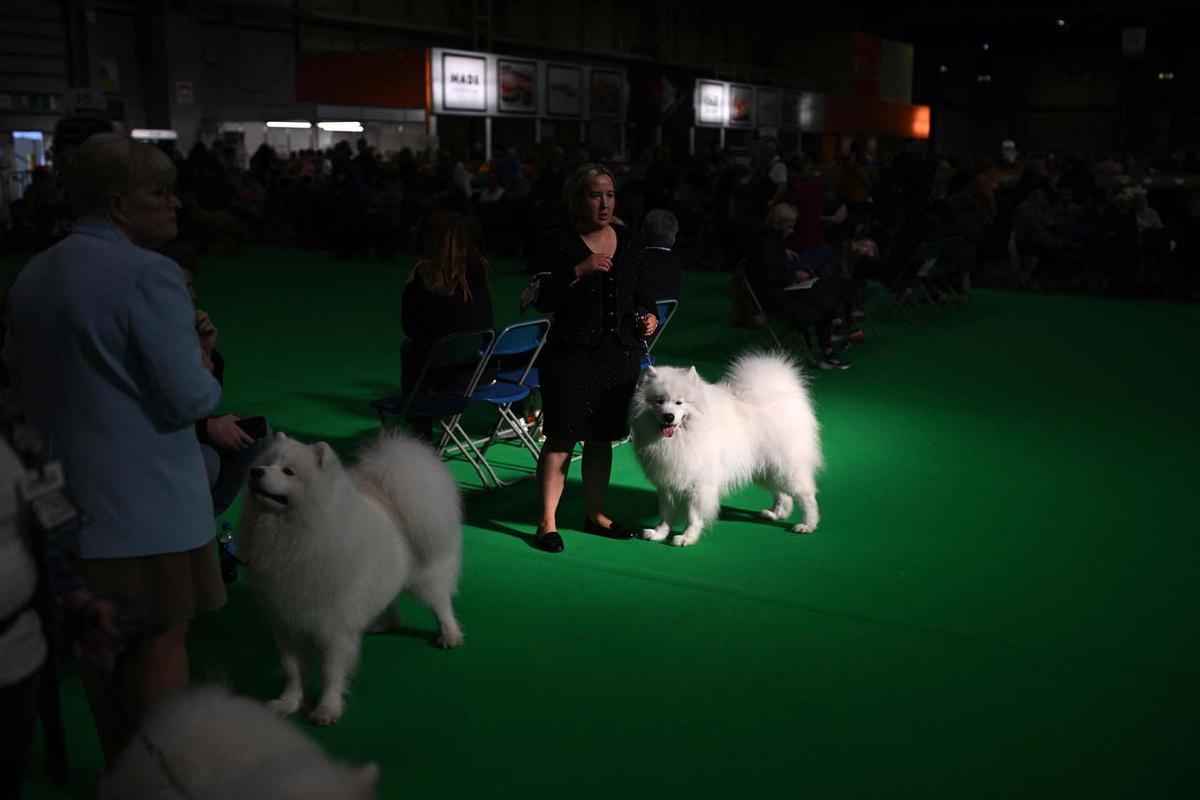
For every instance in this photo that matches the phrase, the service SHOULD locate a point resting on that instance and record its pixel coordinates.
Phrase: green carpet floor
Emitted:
(1001, 600)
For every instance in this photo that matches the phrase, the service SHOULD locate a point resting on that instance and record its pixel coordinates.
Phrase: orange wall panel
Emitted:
(391, 79)
(866, 117)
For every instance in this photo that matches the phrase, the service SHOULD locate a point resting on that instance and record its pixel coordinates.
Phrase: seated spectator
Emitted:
(1147, 218)
(769, 272)
(1032, 232)
(228, 451)
(662, 273)
(446, 293)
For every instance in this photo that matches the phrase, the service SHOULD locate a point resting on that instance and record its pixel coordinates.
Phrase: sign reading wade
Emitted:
(464, 83)
(710, 103)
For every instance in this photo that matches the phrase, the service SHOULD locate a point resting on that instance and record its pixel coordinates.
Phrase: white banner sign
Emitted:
(710, 103)
(464, 83)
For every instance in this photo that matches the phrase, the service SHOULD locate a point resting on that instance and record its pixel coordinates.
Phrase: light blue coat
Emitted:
(103, 348)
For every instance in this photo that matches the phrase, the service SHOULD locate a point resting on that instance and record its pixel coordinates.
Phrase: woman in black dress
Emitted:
(589, 366)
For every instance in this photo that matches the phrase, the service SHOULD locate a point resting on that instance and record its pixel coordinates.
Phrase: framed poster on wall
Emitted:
(564, 90)
(710, 103)
(517, 86)
(789, 111)
(464, 82)
(605, 96)
(741, 104)
(766, 114)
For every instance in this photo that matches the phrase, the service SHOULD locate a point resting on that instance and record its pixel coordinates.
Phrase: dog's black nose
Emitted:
(257, 472)
(668, 418)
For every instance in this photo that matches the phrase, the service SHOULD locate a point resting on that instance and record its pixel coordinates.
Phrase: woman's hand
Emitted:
(802, 276)
(206, 331)
(596, 262)
(649, 325)
(225, 434)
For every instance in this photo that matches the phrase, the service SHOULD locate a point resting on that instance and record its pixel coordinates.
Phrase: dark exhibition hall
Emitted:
(641, 398)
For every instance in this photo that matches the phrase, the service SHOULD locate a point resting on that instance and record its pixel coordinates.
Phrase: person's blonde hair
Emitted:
(575, 188)
(780, 212)
(109, 163)
(450, 247)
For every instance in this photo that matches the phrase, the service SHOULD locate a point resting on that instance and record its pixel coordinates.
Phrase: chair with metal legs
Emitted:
(806, 350)
(466, 350)
(521, 342)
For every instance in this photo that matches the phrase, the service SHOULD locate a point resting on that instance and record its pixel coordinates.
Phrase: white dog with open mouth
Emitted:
(697, 441)
(328, 549)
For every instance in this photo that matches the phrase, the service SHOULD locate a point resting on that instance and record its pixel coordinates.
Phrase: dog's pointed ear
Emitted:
(325, 455)
(280, 436)
(692, 374)
(650, 370)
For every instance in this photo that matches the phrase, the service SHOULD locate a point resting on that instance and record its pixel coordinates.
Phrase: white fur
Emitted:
(222, 747)
(327, 564)
(757, 424)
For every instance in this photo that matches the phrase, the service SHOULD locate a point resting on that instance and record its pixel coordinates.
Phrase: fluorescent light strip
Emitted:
(289, 124)
(341, 127)
(153, 135)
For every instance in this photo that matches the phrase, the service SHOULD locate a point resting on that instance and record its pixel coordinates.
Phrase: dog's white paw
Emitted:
(283, 706)
(803, 527)
(326, 713)
(655, 534)
(684, 540)
(768, 513)
(450, 640)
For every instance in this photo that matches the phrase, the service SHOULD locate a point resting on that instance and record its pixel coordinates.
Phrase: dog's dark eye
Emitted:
(678, 402)
(660, 400)
(288, 471)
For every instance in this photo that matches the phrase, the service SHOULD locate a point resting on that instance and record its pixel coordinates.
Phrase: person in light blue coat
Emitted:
(106, 363)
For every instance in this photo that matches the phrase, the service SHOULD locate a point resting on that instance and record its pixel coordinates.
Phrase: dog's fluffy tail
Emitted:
(407, 475)
(772, 384)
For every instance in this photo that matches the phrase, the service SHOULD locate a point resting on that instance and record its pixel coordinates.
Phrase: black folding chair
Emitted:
(767, 318)
(459, 351)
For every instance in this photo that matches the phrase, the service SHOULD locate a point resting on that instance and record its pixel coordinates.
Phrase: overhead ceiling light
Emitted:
(942, 68)
(341, 127)
(1062, 23)
(986, 46)
(153, 135)
(289, 124)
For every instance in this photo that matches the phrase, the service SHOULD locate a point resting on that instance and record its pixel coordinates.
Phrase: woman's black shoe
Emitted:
(615, 530)
(549, 541)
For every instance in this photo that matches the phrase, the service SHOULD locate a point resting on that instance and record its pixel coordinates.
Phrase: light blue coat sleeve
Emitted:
(163, 334)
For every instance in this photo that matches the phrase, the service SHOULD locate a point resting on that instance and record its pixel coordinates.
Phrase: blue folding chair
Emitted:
(664, 310)
(455, 350)
(520, 342)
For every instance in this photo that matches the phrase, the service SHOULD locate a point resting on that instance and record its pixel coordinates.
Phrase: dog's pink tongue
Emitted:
(668, 431)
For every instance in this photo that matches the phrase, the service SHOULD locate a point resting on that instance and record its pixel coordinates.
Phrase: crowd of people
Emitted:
(1094, 226)
(803, 235)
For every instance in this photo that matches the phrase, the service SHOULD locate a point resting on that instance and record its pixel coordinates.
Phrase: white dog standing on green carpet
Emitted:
(329, 549)
(698, 441)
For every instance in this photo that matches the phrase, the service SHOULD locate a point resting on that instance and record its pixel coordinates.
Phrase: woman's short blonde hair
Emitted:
(109, 163)
(575, 188)
(781, 212)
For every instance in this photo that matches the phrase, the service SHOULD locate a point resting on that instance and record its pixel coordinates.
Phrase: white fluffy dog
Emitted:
(698, 440)
(217, 746)
(328, 549)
